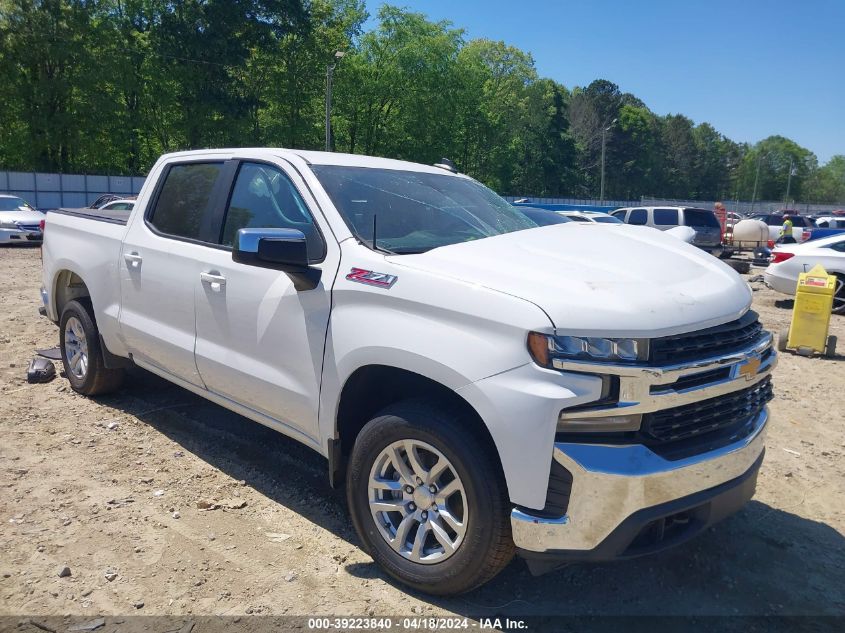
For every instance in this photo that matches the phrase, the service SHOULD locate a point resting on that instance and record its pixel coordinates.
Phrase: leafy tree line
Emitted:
(108, 85)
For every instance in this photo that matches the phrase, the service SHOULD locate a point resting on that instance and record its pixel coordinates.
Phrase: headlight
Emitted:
(545, 348)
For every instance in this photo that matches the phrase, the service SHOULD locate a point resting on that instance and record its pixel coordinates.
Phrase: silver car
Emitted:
(19, 222)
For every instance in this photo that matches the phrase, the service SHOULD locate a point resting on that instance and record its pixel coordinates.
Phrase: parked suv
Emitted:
(708, 230)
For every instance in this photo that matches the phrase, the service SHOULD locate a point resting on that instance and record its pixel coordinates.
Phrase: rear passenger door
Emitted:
(260, 341)
(159, 265)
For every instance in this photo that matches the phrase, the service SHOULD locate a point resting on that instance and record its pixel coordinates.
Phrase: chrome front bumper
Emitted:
(611, 483)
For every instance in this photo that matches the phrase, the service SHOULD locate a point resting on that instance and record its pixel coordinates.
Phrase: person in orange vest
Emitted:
(722, 216)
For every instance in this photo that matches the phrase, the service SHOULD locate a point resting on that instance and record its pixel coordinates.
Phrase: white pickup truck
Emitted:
(482, 385)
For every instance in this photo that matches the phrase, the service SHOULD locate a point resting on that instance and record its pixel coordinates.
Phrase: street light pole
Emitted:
(756, 179)
(329, 77)
(604, 132)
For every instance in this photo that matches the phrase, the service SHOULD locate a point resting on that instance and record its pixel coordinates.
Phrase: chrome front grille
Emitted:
(714, 341)
(706, 416)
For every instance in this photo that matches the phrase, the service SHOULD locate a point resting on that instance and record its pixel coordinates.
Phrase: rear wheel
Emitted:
(82, 357)
(428, 500)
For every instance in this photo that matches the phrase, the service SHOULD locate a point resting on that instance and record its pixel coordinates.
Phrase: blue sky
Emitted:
(751, 68)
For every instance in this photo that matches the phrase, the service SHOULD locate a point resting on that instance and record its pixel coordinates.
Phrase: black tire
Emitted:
(95, 378)
(487, 545)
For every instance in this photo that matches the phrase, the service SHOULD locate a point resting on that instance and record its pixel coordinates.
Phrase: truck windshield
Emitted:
(416, 211)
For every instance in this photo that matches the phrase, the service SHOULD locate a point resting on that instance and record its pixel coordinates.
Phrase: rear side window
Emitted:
(838, 246)
(184, 198)
(577, 218)
(701, 217)
(666, 217)
(638, 216)
(800, 221)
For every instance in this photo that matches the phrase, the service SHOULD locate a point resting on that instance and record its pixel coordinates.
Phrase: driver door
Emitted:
(260, 341)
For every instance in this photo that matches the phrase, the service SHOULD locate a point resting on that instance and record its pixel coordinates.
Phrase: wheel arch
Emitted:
(371, 388)
(67, 286)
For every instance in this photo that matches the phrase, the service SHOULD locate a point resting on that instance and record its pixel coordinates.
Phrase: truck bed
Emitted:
(113, 216)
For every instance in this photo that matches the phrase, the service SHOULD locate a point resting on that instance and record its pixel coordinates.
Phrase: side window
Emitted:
(666, 217)
(183, 200)
(638, 216)
(838, 246)
(264, 197)
(620, 214)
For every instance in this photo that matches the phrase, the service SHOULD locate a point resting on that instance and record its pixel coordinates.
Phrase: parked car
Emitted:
(20, 222)
(122, 204)
(775, 223)
(107, 198)
(543, 217)
(708, 230)
(483, 385)
(790, 260)
(830, 222)
(597, 217)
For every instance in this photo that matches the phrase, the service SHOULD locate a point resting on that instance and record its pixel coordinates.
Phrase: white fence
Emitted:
(50, 191)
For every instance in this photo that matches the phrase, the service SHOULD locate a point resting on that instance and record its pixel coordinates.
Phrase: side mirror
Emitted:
(278, 249)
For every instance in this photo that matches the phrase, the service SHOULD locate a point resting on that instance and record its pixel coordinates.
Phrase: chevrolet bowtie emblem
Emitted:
(750, 368)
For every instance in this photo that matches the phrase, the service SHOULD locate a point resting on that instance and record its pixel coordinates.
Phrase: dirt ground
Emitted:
(162, 503)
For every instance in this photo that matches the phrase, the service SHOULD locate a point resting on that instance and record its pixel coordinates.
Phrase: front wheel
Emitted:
(428, 500)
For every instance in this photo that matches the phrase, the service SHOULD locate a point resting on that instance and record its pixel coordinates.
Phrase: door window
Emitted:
(638, 216)
(666, 217)
(183, 201)
(264, 197)
(619, 214)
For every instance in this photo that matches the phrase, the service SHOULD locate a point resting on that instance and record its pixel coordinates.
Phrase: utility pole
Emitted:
(329, 77)
(604, 132)
(789, 180)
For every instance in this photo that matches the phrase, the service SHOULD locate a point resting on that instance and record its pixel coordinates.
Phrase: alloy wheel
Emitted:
(418, 501)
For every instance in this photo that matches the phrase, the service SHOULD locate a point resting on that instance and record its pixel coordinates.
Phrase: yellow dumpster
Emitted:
(811, 315)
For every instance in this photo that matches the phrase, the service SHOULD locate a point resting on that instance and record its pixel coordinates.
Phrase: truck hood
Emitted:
(599, 279)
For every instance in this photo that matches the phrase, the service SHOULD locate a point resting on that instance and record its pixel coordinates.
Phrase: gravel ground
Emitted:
(159, 502)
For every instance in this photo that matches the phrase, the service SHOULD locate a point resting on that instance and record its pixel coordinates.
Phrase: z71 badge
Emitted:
(372, 278)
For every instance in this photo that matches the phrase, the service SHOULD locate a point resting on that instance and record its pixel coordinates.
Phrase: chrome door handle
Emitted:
(133, 259)
(215, 280)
